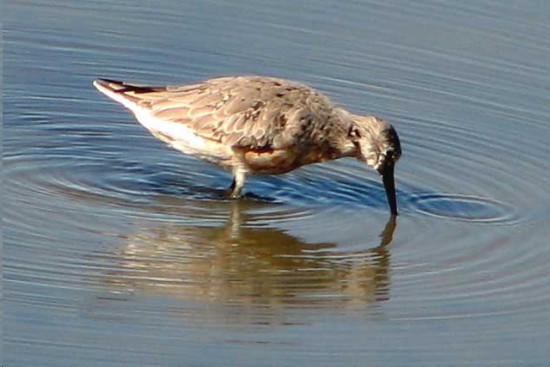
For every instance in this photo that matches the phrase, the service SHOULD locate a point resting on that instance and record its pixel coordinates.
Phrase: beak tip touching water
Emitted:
(389, 185)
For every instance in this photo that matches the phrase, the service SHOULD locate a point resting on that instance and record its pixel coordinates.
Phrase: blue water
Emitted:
(119, 251)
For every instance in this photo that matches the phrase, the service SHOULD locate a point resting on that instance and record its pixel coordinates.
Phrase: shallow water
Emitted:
(119, 251)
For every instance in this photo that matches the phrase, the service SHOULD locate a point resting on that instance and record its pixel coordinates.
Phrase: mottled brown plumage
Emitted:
(252, 124)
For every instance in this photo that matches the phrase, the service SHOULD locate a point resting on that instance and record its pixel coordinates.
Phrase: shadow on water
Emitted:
(314, 190)
(299, 190)
(136, 184)
(242, 263)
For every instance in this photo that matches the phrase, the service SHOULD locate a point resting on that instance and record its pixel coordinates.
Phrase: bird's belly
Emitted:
(270, 161)
(277, 161)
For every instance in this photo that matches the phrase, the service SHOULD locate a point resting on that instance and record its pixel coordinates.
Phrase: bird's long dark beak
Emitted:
(389, 185)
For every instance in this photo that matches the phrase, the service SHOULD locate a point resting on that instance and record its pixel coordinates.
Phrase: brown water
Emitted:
(119, 251)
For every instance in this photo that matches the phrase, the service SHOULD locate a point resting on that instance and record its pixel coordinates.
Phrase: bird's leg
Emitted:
(231, 192)
(239, 177)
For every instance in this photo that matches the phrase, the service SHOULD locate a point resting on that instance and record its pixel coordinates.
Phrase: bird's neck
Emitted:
(340, 142)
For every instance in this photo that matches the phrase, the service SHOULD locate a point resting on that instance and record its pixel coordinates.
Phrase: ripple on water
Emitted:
(453, 171)
(113, 240)
(464, 208)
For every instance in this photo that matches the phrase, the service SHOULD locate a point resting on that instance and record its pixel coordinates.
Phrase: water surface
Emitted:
(119, 251)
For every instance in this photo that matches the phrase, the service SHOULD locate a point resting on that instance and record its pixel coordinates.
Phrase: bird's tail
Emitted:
(129, 95)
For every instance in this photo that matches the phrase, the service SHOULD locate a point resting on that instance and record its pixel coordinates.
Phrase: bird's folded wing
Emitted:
(242, 112)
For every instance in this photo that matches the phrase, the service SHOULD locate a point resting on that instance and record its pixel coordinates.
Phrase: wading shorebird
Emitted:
(253, 124)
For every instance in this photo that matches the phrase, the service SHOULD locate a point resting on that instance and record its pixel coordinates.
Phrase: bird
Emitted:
(259, 125)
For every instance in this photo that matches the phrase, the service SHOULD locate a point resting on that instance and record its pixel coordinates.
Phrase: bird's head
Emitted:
(377, 144)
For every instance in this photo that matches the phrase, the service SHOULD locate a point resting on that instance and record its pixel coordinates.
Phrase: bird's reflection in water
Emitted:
(250, 265)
